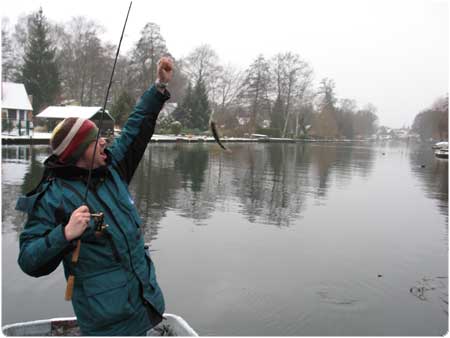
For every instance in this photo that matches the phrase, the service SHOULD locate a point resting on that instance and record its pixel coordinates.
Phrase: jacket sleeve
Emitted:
(128, 148)
(42, 242)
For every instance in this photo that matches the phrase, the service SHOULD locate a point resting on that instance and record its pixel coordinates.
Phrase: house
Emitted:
(243, 120)
(58, 113)
(401, 134)
(17, 112)
(266, 123)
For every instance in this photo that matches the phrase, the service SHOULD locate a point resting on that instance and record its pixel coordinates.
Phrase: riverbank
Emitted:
(36, 138)
(44, 138)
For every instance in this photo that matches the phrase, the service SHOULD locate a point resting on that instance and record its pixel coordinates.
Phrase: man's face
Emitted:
(99, 156)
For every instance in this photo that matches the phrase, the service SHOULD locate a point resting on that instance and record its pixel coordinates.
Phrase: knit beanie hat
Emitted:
(71, 137)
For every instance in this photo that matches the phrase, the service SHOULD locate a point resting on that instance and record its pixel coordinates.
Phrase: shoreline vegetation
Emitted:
(43, 139)
(278, 94)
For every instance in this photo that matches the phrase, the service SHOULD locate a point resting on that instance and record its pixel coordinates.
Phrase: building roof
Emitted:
(61, 112)
(14, 96)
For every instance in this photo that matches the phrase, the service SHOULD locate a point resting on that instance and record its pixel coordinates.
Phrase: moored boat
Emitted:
(440, 145)
(172, 325)
(441, 153)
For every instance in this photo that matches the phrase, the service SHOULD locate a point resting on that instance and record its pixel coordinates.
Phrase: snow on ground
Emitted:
(36, 135)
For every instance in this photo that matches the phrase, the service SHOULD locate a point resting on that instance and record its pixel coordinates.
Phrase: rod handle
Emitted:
(76, 253)
(69, 287)
(71, 279)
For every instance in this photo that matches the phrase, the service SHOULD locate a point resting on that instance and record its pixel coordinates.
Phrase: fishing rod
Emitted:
(98, 217)
(104, 105)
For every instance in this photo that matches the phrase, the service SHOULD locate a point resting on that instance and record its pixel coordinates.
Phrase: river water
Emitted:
(272, 239)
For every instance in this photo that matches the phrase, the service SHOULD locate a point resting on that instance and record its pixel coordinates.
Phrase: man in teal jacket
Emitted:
(115, 289)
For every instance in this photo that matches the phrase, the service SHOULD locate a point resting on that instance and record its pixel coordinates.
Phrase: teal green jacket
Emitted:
(115, 280)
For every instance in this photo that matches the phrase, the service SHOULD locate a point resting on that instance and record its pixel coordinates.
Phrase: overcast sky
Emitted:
(393, 54)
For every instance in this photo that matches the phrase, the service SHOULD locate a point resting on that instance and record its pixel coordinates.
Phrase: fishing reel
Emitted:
(99, 223)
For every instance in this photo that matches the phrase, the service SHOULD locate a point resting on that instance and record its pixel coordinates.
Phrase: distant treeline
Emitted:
(69, 64)
(432, 123)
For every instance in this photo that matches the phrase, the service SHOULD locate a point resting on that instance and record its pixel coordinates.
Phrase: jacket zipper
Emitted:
(106, 207)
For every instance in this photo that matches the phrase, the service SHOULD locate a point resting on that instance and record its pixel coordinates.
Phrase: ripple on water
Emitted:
(341, 297)
(432, 289)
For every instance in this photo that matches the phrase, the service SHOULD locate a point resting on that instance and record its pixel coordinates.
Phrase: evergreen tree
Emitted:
(122, 107)
(325, 124)
(39, 72)
(276, 115)
(201, 110)
(183, 113)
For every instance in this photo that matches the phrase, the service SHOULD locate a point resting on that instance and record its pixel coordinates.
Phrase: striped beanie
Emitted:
(71, 137)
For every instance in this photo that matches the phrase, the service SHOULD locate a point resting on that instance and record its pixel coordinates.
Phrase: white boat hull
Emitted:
(441, 153)
(172, 325)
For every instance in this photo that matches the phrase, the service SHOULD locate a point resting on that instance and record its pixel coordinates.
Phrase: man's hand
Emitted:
(79, 220)
(165, 69)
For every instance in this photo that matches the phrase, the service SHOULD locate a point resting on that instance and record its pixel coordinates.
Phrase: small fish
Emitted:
(212, 124)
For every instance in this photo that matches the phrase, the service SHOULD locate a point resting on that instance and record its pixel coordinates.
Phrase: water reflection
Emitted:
(21, 171)
(191, 164)
(432, 173)
(154, 188)
(270, 183)
(196, 195)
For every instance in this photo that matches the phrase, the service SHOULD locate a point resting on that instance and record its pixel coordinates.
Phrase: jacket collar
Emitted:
(70, 171)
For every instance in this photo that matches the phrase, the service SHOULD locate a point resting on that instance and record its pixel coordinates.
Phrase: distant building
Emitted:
(17, 112)
(266, 124)
(242, 120)
(401, 133)
(58, 113)
(386, 133)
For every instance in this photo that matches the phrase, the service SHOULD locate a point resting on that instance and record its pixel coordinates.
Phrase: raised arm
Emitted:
(128, 148)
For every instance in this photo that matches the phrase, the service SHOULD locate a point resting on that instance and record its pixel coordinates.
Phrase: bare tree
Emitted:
(304, 109)
(292, 77)
(256, 89)
(365, 120)
(299, 81)
(345, 112)
(84, 61)
(202, 65)
(278, 74)
(228, 87)
(7, 52)
(17, 40)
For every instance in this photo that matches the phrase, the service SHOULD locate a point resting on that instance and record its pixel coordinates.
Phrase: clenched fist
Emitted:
(78, 222)
(165, 69)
